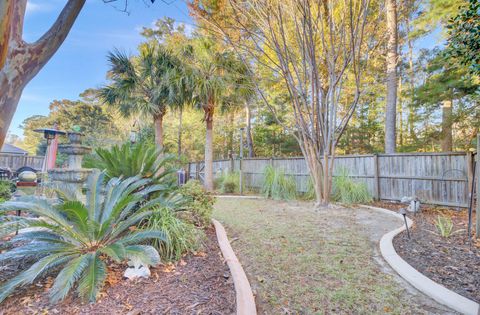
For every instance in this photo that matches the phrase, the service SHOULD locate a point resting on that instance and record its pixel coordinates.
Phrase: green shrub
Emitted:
(228, 182)
(76, 237)
(277, 185)
(180, 237)
(346, 190)
(198, 203)
(130, 160)
(5, 190)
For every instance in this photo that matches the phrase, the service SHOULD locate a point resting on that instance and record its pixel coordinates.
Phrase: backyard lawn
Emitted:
(302, 261)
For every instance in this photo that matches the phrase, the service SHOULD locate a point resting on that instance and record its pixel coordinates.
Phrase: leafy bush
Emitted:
(180, 237)
(130, 160)
(198, 204)
(277, 185)
(5, 190)
(229, 182)
(76, 238)
(346, 190)
(444, 226)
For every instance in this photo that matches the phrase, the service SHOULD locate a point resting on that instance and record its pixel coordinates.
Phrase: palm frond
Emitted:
(92, 278)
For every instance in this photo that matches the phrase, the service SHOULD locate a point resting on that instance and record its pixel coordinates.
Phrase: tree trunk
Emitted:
(180, 126)
(19, 61)
(390, 113)
(400, 114)
(209, 148)
(230, 129)
(158, 123)
(251, 152)
(447, 141)
(411, 109)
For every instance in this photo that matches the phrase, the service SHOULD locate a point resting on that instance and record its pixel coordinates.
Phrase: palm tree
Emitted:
(180, 95)
(140, 84)
(211, 79)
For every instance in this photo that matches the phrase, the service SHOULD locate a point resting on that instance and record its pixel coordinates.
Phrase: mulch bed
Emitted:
(199, 284)
(451, 261)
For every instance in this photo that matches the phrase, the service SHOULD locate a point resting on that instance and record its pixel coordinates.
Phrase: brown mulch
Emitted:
(199, 284)
(452, 261)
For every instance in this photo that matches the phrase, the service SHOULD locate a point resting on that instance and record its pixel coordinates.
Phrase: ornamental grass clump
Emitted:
(444, 226)
(277, 185)
(73, 239)
(346, 190)
(181, 237)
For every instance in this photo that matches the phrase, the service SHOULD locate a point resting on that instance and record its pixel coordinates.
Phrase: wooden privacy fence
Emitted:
(15, 161)
(435, 178)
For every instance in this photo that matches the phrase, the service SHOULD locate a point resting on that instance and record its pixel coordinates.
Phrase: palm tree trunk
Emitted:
(158, 123)
(251, 152)
(209, 148)
(180, 126)
(391, 108)
(230, 129)
(447, 139)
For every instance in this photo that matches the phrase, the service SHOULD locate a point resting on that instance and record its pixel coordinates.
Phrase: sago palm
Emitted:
(129, 160)
(73, 238)
(139, 84)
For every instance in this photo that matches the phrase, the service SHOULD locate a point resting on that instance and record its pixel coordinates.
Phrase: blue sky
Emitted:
(81, 63)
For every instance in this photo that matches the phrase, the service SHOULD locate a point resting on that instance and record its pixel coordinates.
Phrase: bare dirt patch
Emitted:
(199, 284)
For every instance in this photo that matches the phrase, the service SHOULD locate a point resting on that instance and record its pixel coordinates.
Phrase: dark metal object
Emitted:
(19, 214)
(49, 133)
(181, 177)
(403, 212)
(470, 206)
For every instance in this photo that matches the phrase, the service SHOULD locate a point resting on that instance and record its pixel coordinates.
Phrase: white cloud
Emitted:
(34, 7)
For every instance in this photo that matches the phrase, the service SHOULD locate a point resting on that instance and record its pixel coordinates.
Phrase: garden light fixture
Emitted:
(403, 212)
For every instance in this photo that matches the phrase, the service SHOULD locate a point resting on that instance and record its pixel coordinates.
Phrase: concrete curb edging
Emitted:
(240, 196)
(244, 297)
(424, 284)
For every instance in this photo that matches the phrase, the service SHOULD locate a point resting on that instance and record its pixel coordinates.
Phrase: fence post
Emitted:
(477, 211)
(241, 176)
(469, 160)
(376, 177)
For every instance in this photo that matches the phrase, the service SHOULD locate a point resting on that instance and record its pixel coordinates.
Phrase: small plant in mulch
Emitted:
(444, 226)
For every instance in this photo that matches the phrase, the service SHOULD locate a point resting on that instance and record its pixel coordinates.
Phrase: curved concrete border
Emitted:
(244, 296)
(240, 196)
(424, 284)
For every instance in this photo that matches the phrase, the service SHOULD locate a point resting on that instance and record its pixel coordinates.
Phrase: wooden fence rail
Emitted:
(15, 161)
(435, 178)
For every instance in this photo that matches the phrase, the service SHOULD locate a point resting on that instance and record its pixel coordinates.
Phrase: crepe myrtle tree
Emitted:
(319, 50)
(21, 61)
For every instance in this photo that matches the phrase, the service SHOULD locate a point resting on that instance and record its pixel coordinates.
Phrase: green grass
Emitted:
(305, 262)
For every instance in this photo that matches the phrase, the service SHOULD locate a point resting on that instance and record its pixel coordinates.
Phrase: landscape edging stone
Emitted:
(424, 284)
(245, 300)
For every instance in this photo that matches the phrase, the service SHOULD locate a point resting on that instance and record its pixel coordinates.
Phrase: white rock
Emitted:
(136, 270)
(406, 199)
